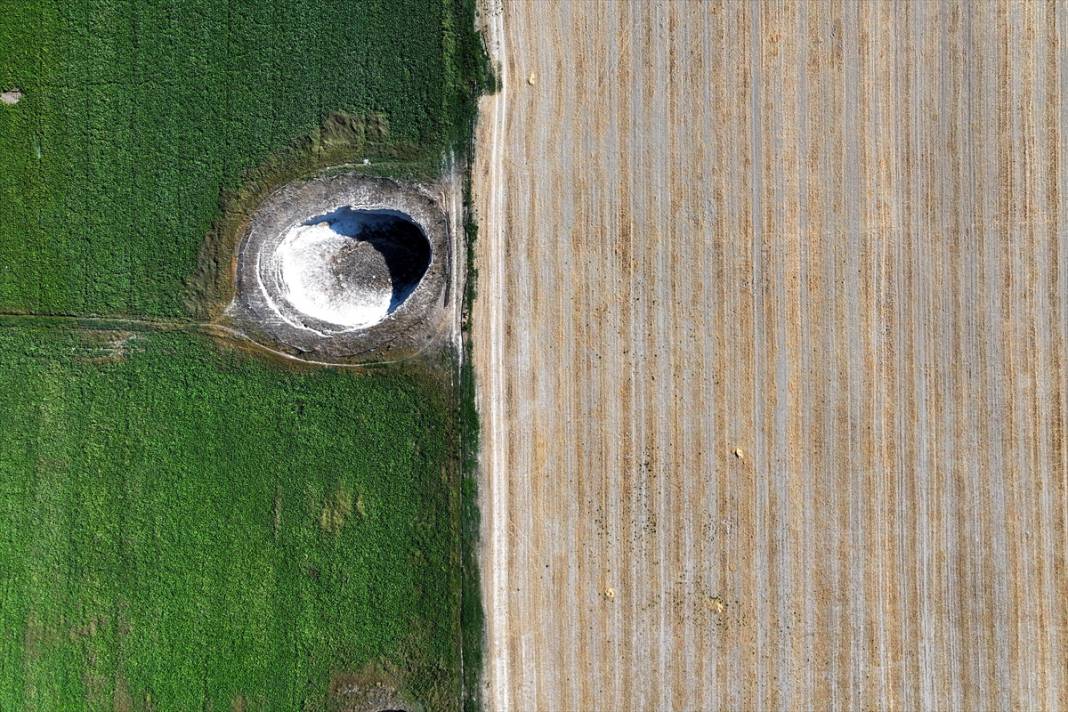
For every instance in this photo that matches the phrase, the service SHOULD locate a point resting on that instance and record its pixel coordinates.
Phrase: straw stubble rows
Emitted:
(770, 343)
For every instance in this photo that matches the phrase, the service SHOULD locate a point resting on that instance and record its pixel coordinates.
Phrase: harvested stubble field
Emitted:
(771, 352)
(183, 524)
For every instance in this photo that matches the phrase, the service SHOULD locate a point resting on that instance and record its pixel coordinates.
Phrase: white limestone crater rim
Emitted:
(346, 268)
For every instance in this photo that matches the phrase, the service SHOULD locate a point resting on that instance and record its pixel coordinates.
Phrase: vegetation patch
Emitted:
(184, 526)
(136, 118)
(336, 509)
(190, 526)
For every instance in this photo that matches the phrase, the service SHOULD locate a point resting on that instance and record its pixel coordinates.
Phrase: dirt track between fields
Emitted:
(833, 239)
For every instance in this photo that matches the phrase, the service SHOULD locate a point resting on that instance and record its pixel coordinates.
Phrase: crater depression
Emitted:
(351, 268)
(346, 268)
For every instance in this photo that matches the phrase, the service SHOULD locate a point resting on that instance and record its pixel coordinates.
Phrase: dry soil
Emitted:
(770, 343)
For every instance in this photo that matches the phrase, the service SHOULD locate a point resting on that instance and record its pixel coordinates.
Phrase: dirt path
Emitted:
(771, 349)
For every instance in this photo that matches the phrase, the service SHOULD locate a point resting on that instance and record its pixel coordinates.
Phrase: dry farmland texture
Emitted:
(771, 354)
(186, 525)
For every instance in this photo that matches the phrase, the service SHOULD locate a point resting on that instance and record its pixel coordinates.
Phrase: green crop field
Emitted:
(185, 525)
(137, 114)
(181, 524)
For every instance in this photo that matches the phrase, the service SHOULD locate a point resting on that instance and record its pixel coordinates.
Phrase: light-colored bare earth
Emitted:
(771, 351)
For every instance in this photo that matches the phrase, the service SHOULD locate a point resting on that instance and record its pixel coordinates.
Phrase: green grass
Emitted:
(138, 116)
(181, 524)
(185, 526)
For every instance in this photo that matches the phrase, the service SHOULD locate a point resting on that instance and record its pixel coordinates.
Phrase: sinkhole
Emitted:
(350, 268)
